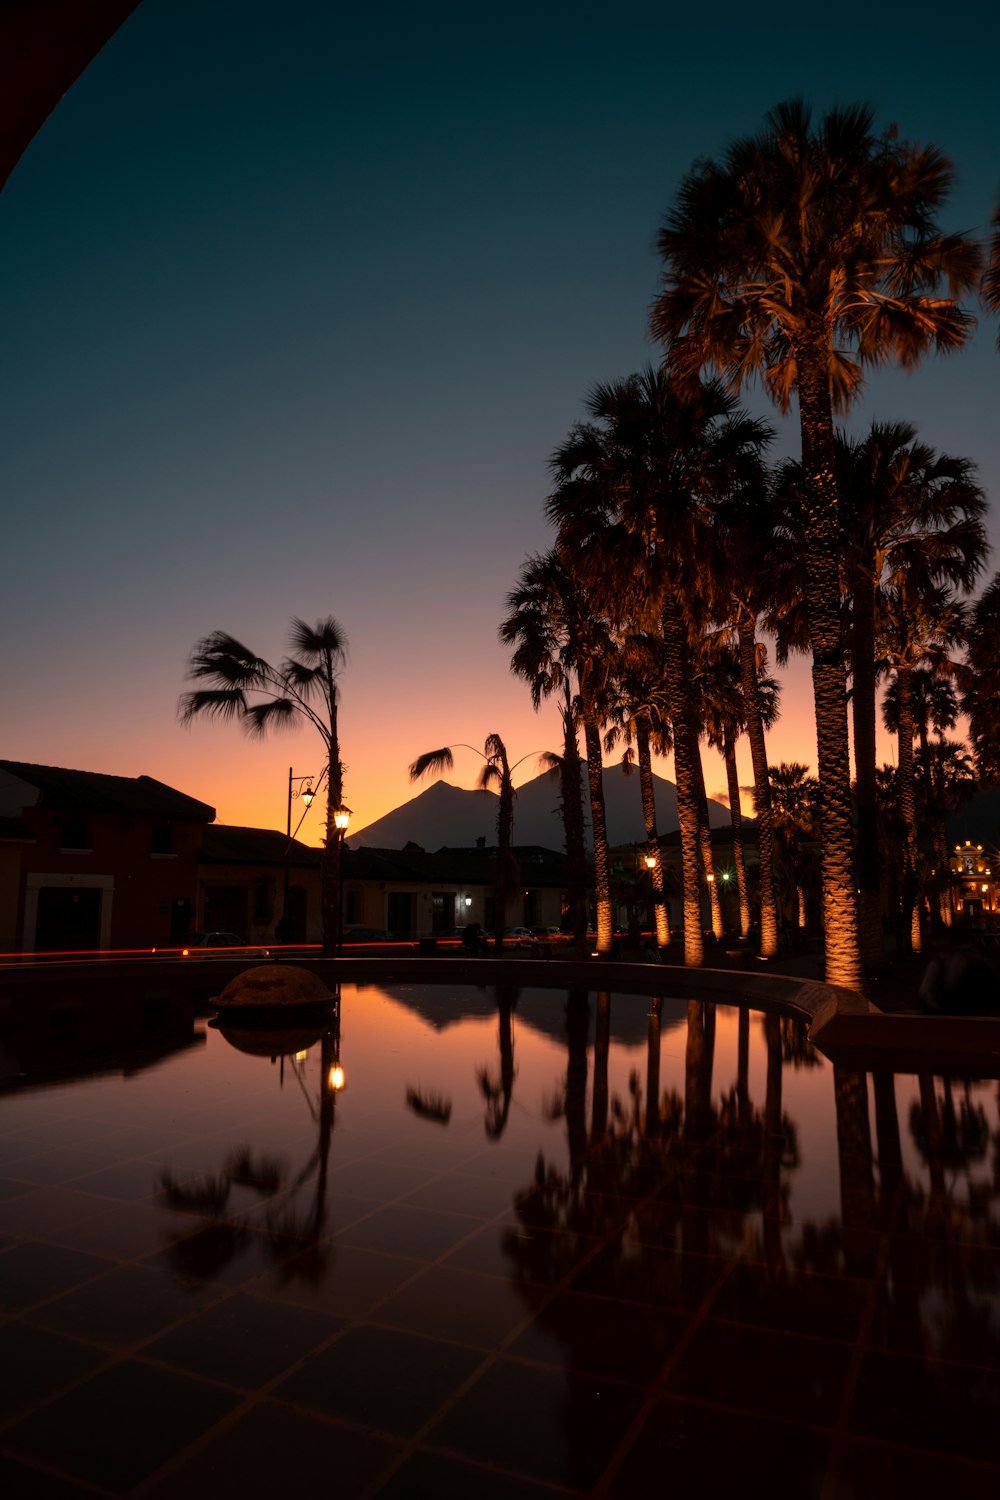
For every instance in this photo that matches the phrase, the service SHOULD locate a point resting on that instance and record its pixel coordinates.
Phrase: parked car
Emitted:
(221, 945)
(520, 937)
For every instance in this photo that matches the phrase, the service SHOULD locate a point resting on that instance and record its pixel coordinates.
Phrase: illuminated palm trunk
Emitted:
(829, 676)
(661, 919)
(677, 675)
(598, 823)
(762, 790)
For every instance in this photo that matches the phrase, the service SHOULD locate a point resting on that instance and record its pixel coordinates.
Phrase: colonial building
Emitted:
(93, 861)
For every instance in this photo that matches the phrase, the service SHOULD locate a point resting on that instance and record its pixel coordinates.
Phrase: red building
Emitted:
(92, 861)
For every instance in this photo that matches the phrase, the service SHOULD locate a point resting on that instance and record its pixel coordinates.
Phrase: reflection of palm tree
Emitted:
(497, 1091)
(220, 1240)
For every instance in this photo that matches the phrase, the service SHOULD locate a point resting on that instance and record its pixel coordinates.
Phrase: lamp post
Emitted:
(650, 862)
(341, 819)
(306, 794)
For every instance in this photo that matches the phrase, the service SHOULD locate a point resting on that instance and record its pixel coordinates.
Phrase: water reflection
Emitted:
(293, 1200)
(530, 1204)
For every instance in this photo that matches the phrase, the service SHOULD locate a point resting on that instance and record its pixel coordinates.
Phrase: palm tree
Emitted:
(989, 289)
(906, 511)
(916, 625)
(548, 624)
(262, 697)
(981, 681)
(795, 798)
(725, 719)
(803, 257)
(634, 487)
(497, 772)
(639, 712)
(748, 540)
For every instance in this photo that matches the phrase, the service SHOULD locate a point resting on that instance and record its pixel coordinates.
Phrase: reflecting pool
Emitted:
(492, 1243)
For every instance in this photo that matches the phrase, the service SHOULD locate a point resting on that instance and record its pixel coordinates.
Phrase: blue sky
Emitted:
(298, 300)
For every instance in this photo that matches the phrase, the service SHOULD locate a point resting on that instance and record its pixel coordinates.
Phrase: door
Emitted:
(69, 918)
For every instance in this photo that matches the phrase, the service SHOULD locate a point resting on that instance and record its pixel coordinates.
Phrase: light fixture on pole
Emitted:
(307, 794)
(341, 820)
(650, 862)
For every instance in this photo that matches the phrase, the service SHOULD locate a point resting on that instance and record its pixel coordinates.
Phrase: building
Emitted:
(96, 862)
(93, 861)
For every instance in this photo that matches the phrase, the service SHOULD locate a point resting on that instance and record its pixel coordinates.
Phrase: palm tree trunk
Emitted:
(907, 805)
(705, 843)
(505, 833)
(332, 850)
(649, 818)
(736, 818)
(571, 790)
(598, 823)
(677, 676)
(840, 913)
(868, 852)
(761, 789)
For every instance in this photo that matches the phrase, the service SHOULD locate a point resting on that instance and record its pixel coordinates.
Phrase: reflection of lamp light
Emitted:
(468, 900)
(335, 1079)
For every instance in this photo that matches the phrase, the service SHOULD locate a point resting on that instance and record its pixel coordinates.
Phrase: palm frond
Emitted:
(434, 760)
(211, 703)
(273, 713)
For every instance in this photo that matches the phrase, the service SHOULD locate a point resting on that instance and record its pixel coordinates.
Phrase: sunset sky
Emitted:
(296, 303)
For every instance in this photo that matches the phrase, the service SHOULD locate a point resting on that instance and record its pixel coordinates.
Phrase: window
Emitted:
(74, 831)
(163, 839)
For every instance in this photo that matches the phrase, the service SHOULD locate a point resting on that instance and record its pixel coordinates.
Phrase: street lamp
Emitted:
(650, 862)
(307, 795)
(341, 819)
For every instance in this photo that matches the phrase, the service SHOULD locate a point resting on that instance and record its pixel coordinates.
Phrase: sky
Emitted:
(297, 301)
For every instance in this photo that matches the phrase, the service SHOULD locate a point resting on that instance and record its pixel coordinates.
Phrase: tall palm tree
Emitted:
(981, 681)
(548, 624)
(647, 465)
(639, 713)
(497, 772)
(939, 767)
(748, 540)
(906, 511)
(802, 257)
(260, 697)
(989, 289)
(725, 719)
(795, 798)
(916, 625)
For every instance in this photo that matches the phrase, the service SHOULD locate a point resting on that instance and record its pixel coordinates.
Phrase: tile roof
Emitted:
(93, 792)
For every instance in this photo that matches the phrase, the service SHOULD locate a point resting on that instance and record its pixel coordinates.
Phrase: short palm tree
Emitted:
(803, 256)
(260, 697)
(795, 798)
(496, 773)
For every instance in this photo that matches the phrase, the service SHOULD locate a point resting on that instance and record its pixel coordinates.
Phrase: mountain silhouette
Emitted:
(446, 816)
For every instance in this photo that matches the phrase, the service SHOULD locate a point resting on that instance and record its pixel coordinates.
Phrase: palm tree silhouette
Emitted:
(803, 256)
(260, 698)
